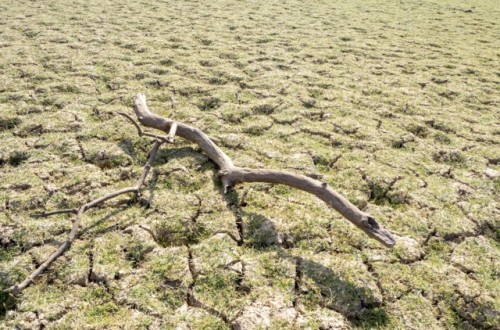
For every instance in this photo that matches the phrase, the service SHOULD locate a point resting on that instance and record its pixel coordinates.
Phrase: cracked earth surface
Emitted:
(394, 104)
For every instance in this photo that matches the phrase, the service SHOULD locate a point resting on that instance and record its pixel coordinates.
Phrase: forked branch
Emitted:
(231, 175)
(73, 234)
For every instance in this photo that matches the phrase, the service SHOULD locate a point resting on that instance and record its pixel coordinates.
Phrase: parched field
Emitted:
(395, 104)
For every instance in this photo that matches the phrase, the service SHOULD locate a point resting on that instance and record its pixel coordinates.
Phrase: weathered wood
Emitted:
(187, 132)
(18, 288)
(231, 175)
(171, 133)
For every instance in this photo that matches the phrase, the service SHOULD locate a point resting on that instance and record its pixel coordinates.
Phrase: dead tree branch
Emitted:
(231, 175)
(18, 288)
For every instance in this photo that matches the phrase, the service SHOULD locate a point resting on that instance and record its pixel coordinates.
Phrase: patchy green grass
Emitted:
(394, 104)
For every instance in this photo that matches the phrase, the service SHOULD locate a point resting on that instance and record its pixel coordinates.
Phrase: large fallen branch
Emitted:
(231, 175)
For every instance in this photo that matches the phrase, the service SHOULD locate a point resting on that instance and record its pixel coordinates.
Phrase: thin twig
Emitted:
(139, 130)
(167, 139)
(18, 288)
(152, 233)
(48, 214)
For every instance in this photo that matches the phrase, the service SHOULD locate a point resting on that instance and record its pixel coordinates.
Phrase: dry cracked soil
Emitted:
(395, 104)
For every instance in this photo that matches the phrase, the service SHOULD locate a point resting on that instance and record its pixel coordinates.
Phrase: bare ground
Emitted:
(394, 104)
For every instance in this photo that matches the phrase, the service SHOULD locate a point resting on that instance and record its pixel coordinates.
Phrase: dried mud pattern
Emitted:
(399, 90)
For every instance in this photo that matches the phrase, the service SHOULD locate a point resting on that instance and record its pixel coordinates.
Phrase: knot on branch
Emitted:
(374, 230)
(370, 222)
